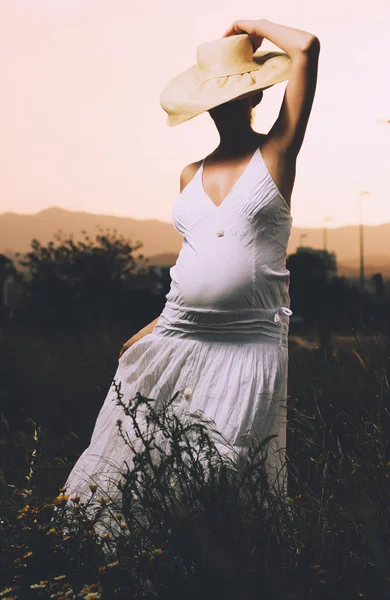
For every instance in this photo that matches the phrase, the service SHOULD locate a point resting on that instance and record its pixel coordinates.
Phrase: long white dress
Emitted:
(222, 337)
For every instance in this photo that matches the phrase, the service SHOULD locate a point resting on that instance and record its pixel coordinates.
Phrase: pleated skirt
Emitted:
(228, 368)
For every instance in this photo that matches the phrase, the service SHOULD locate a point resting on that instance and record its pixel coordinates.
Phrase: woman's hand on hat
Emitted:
(249, 27)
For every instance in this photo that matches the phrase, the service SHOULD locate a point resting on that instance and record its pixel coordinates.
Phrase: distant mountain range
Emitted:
(162, 243)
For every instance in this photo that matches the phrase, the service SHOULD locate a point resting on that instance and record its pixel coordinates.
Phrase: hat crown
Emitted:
(225, 56)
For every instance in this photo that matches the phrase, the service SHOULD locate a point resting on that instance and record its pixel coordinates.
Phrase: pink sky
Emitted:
(81, 126)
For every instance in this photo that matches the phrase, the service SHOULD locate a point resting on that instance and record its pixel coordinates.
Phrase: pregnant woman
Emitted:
(222, 337)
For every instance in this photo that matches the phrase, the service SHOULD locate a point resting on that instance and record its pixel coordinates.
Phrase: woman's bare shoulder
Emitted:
(188, 173)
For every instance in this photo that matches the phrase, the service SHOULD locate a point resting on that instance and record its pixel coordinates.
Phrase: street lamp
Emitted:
(301, 236)
(361, 242)
(326, 219)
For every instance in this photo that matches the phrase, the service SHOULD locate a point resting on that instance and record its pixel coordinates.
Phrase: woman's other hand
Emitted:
(139, 335)
(133, 340)
(246, 26)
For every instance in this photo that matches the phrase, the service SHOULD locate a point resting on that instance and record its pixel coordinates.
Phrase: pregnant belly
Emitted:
(219, 279)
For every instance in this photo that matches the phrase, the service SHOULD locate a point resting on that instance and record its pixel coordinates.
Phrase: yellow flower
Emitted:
(35, 586)
(59, 577)
(61, 499)
(9, 590)
(113, 564)
(92, 596)
(76, 499)
(103, 500)
(123, 525)
(63, 489)
(28, 554)
(52, 530)
(107, 536)
(93, 487)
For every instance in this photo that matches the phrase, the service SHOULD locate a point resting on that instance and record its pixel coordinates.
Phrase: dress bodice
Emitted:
(233, 255)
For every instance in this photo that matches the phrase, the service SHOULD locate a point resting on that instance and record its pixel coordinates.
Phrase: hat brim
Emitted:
(187, 96)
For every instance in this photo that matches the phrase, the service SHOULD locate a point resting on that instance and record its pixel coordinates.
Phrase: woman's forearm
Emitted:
(149, 328)
(290, 40)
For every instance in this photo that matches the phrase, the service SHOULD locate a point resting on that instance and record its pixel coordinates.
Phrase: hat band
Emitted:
(239, 71)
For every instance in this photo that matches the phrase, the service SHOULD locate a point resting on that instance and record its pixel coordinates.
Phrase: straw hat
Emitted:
(225, 69)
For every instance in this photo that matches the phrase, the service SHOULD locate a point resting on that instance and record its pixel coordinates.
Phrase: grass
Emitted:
(195, 524)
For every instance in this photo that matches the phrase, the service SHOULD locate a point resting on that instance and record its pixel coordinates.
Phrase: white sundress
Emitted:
(222, 337)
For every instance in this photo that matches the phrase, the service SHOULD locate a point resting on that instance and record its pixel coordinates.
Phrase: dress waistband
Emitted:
(267, 325)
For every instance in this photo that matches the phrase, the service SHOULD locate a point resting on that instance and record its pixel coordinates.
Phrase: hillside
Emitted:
(162, 243)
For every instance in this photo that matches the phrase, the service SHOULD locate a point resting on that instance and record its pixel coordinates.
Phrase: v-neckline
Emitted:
(218, 206)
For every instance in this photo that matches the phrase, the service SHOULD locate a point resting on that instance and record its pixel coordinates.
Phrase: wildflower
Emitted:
(123, 525)
(52, 530)
(25, 509)
(59, 577)
(67, 537)
(159, 552)
(315, 567)
(107, 536)
(36, 586)
(28, 554)
(63, 489)
(102, 569)
(9, 590)
(119, 517)
(44, 581)
(61, 499)
(103, 500)
(187, 393)
(92, 596)
(93, 488)
(76, 499)
(113, 564)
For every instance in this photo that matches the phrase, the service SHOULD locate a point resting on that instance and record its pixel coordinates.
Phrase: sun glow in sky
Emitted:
(81, 126)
